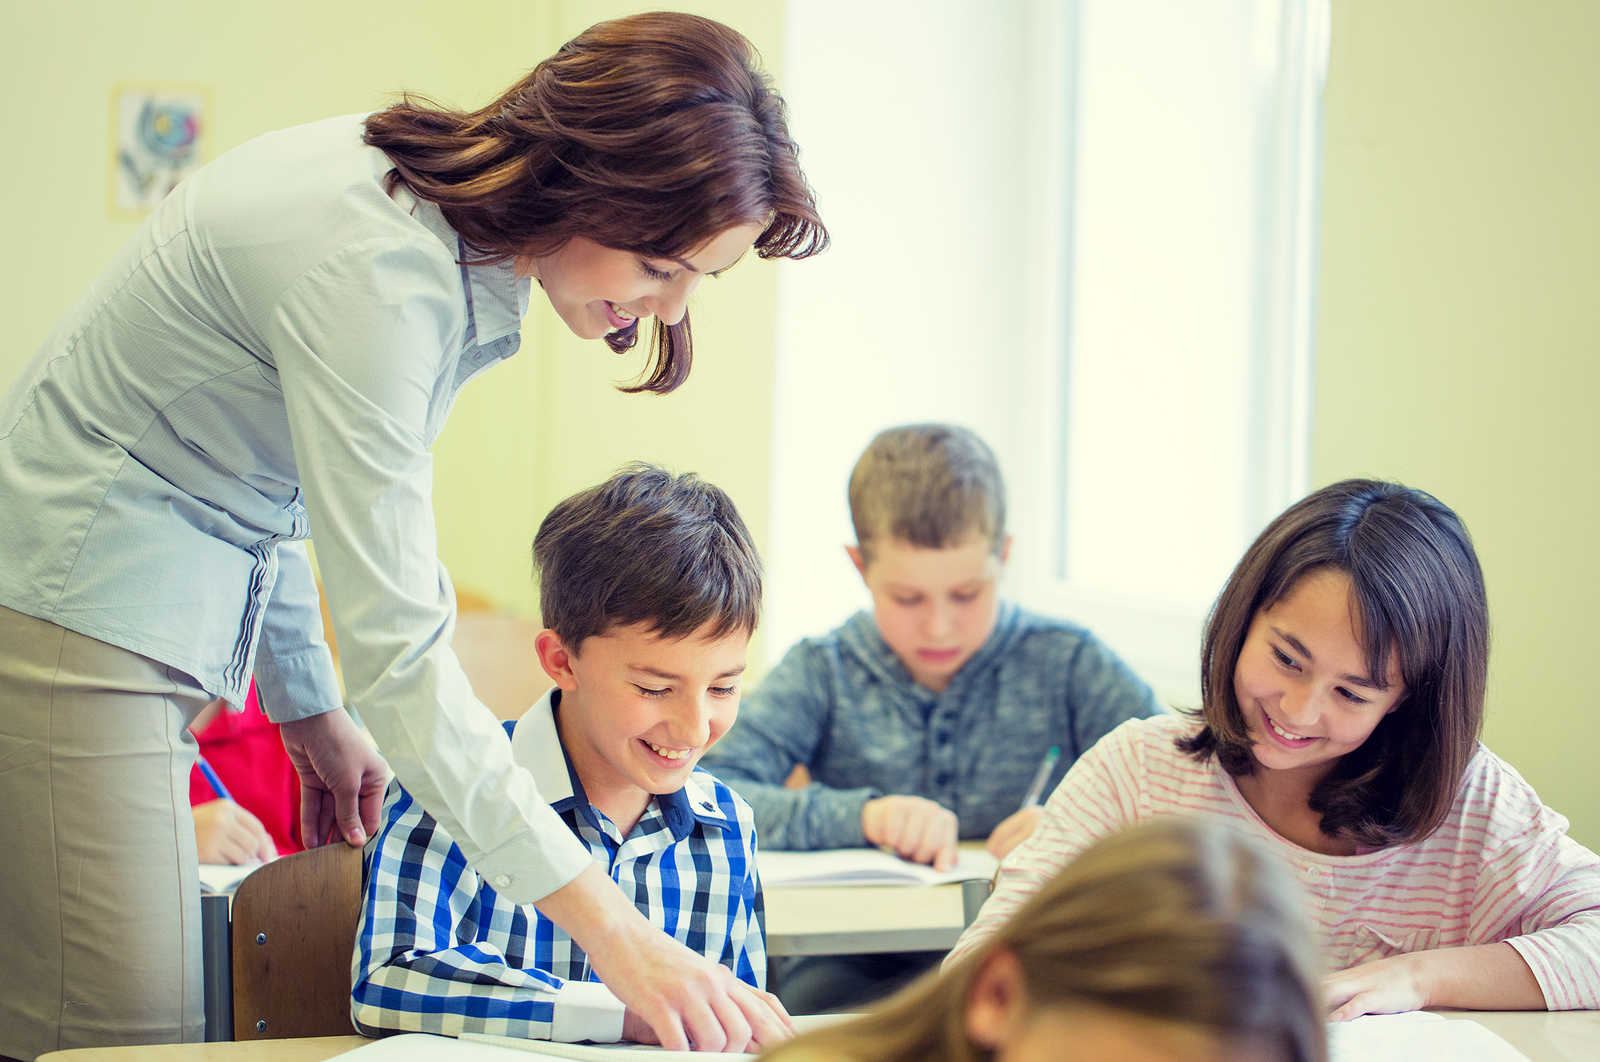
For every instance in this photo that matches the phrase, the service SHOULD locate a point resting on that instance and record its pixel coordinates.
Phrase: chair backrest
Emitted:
(294, 928)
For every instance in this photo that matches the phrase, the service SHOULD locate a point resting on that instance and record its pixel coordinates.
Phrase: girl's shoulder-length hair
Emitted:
(652, 134)
(1174, 920)
(1418, 592)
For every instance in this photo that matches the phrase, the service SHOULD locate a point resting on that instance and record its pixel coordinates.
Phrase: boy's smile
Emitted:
(934, 607)
(638, 710)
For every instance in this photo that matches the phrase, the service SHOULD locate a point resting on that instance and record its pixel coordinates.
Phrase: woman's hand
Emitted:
(227, 833)
(913, 827)
(679, 995)
(1016, 828)
(342, 777)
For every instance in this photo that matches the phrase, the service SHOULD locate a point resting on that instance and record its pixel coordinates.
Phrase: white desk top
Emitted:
(1568, 1036)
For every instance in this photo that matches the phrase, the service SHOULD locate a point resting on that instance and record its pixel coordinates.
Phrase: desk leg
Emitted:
(217, 967)
(973, 895)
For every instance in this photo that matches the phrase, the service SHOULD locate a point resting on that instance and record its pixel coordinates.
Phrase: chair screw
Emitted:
(261, 1026)
(261, 938)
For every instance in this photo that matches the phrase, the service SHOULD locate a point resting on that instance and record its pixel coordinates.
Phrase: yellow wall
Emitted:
(551, 422)
(536, 429)
(1459, 347)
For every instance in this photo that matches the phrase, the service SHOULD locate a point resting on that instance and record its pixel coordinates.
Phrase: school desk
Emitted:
(799, 921)
(1566, 1036)
(854, 921)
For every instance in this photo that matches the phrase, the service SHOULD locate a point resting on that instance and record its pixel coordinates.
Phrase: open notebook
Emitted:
(224, 878)
(865, 866)
(1415, 1037)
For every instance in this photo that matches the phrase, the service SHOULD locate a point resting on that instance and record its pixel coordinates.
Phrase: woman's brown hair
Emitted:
(652, 134)
(1417, 591)
(1176, 920)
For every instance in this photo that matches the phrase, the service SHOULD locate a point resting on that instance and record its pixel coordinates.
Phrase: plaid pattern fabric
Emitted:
(439, 951)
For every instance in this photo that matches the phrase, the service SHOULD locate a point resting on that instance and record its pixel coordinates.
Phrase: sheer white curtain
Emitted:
(1086, 230)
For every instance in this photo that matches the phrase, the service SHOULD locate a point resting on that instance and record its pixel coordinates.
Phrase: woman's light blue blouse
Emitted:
(269, 358)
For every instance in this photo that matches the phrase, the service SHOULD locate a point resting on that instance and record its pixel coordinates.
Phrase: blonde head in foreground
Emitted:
(1173, 941)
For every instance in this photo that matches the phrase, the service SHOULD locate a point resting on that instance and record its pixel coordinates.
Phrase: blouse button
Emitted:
(1311, 871)
(502, 881)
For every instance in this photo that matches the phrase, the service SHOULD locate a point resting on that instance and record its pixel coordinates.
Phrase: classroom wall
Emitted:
(555, 423)
(536, 429)
(1459, 346)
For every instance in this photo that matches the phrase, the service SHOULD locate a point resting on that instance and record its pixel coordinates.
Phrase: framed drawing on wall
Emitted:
(159, 135)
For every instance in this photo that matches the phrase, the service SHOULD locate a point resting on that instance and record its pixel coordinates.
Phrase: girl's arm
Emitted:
(1485, 977)
(1535, 908)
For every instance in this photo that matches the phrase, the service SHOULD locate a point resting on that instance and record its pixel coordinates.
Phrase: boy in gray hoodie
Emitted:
(924, 721)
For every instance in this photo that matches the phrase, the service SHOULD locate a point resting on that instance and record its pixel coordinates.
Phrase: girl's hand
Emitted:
(227, 833)
(1386, 986)
(1016, 828)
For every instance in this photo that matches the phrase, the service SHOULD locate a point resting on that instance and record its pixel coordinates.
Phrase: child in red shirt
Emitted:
(263, 818)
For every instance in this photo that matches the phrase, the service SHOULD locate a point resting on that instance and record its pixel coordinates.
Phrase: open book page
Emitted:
(588, 1052)
(1416, 1037)
(222, 878)
(865, 866)
(480, 1047)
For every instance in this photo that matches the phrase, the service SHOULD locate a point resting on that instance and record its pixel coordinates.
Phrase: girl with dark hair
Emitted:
(270, 357)
(1174, 939)
(1343, 674)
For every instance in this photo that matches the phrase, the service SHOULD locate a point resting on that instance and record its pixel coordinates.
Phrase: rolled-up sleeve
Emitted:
(359, 343)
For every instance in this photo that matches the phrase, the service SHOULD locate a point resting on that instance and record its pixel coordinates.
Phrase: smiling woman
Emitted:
(272, 355)
(598, 145)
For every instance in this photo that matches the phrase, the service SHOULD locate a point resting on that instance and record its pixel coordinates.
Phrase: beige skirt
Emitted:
(99, 888)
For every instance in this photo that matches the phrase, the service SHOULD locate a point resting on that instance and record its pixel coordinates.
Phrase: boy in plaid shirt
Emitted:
(651, 587)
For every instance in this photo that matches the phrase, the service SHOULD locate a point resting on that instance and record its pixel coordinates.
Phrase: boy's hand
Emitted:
(1013, 831)
(913, 827)
(227, 833)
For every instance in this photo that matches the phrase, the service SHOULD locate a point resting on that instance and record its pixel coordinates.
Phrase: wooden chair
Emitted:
(294, 927)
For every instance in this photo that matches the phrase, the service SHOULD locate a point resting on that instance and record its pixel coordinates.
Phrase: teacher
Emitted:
(269, 358)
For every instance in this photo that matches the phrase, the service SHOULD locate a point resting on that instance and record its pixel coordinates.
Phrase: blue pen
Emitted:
(1036, 790)
(216, 783)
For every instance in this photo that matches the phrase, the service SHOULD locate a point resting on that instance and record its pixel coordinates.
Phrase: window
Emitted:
(1086, 231)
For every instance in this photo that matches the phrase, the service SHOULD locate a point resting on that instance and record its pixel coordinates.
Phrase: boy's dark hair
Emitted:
(1417, 591)
(647, 547)
(930, 485)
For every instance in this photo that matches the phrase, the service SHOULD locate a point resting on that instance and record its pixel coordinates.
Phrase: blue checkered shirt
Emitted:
(439, 950)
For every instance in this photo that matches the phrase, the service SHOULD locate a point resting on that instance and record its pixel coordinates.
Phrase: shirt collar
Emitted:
(536, 745)
(498, 296)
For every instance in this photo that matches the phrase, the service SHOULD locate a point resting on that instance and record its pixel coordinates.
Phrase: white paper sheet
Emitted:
(1416, 1037)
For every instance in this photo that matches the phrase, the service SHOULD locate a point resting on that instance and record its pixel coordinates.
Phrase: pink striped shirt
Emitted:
(1500, 868)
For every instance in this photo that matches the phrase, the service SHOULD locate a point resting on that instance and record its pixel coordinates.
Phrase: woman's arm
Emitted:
(412, 970)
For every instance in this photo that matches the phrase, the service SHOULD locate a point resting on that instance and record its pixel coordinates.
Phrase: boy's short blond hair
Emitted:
(930, 485)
